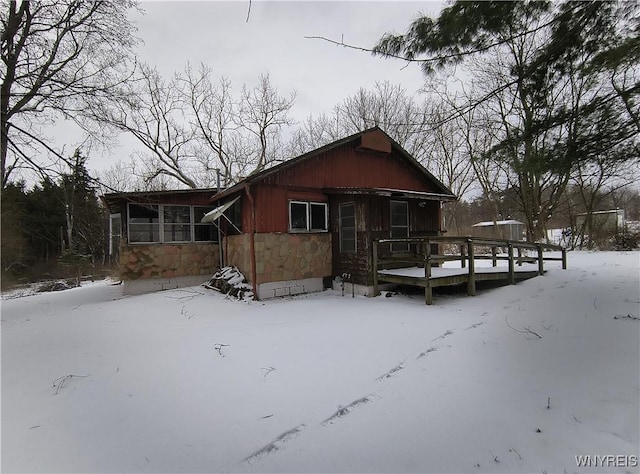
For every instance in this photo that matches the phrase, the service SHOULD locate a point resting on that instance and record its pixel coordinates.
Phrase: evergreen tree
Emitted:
(44, 220)
(14, 245)
(558, 82)
(84, 216)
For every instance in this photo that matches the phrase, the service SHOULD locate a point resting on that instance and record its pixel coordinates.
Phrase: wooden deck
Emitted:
(523, 260)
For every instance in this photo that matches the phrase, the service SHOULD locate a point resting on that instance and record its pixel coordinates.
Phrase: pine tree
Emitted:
(558, 81)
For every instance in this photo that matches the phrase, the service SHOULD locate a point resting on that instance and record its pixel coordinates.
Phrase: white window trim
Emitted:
(113, 216)
(307, 229)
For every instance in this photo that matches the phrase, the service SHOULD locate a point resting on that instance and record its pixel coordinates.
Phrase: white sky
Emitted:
(273, 40)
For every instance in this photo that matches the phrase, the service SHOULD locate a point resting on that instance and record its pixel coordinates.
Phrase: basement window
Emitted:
(307, 216)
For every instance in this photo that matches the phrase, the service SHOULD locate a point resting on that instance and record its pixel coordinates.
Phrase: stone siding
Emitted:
(238, 253)
(142, 261)
(281, 256)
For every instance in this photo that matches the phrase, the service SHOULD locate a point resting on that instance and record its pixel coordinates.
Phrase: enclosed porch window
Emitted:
(348, 227)
(399, 225)
(164, 223)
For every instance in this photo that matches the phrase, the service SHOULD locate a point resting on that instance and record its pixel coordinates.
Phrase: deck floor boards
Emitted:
(446, 276)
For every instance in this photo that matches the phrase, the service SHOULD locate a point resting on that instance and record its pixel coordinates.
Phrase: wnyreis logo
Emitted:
(607, 460)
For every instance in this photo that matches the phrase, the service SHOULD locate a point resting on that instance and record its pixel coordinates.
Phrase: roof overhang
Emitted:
(389, 192)
(114, 201)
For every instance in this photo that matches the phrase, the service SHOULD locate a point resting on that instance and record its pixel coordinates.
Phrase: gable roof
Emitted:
(401, 152)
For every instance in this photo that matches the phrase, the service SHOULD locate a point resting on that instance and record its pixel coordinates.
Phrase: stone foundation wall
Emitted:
(167, 260)
(238, 253)
(281, 256)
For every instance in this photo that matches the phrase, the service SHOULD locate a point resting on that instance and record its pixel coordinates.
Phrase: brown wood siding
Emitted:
(346, 166)
(372, 217)
(342, 167)
(356, 264)
(424, 218)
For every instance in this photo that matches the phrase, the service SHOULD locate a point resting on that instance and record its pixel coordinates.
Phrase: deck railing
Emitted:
(467, 251)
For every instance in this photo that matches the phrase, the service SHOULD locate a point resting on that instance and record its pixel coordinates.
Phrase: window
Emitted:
(399, 225)
(203, 232)
(177, 224)
(298, 216)
(158, 223)
(307, 216)
(348, 227)
(115, 232)
(144, 223)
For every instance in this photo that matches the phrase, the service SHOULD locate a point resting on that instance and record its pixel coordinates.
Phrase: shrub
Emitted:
(626, 240)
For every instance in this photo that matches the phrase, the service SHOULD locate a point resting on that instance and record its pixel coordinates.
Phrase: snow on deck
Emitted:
(447, 271)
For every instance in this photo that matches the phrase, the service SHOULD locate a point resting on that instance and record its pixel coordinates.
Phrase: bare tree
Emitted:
(154, 114)
(263, 112)
(59, 57)
(213, 115)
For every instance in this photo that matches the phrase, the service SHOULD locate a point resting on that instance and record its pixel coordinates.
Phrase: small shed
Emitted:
(510, 229)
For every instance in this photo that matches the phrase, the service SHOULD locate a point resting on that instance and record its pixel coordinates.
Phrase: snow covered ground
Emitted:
(520, 378)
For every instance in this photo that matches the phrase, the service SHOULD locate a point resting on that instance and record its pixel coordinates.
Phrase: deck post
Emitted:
(428, 293)
(463, 261)
(519, 256)
(512, 275)
(494, 260)
(375, 268)
(540, 260)
(471, 283)
(564, 258)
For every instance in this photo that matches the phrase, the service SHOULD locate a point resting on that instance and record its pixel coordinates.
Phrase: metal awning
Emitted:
(388, 192)
(215, 214)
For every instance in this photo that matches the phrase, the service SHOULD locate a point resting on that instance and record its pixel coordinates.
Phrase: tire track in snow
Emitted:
(276, 444)
(279, 442)
(344, 411)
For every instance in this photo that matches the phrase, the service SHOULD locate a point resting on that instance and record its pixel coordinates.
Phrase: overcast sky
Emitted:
(273, 40)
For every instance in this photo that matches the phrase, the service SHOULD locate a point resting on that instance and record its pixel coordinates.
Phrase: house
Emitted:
(303, 225)
(158, 238)
(510, 229)
(298, 227)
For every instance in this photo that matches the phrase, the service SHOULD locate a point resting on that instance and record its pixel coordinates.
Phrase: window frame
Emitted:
(134, 224)
(163, 226)
(196, 225)
(115, 233)
(398, 247)
(342, 228)
(169, 226)
(308, 217)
